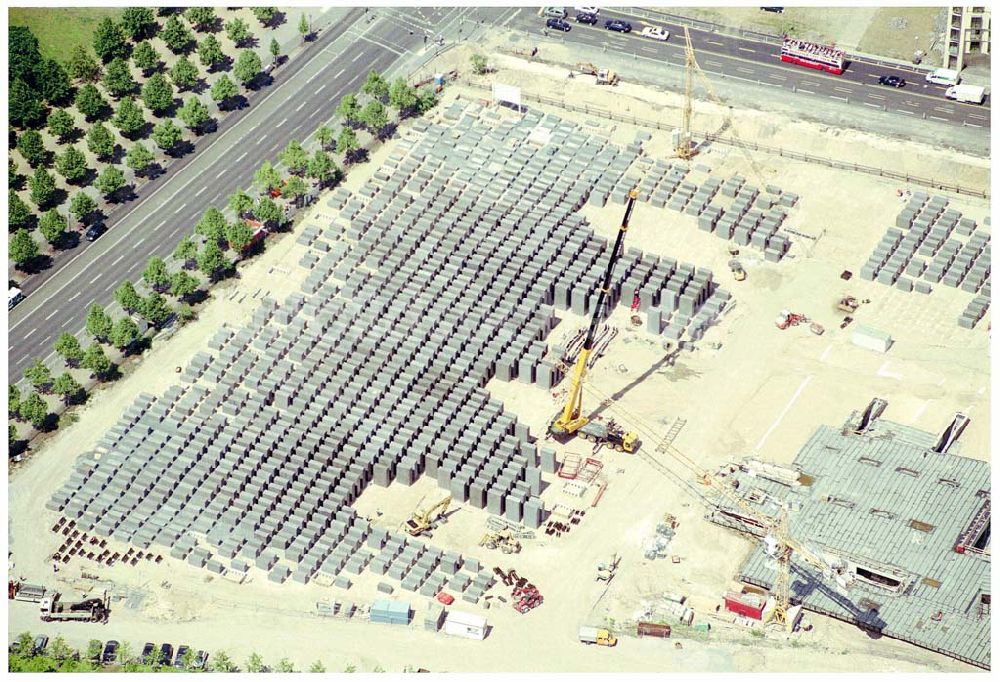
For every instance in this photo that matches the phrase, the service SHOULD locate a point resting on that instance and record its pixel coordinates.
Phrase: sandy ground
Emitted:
(747, 388)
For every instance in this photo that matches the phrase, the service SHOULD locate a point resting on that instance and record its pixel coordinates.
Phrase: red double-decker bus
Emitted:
(813, 55)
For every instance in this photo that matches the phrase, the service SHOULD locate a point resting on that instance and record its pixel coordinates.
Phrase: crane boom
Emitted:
(571, 419)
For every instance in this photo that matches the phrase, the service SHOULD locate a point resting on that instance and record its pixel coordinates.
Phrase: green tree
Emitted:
(374, 117)
(118, 79)
(186, 251)
(82, 206)
(53, 82)
(22, 53)
(324, 135)
(68, 346)
(238, 31)
(72, 165)
(124, 333)
(138, 23)
(59, 649)
(155, 275)
(303, 26)
(402, 97)
(22, 248)
(124, 657)
(294, 157)
(18, 212)
(317, 667)
(52, 225)
(90, 103)
(31, 147)
(247, 67)
(82, 66)
(98, 323)
(145, 57)
(166, 135)
(479, 65)
(98, 363)
(294, 188)
(184, 74)
(201, 18)
(284, 666)
(110, 180)
(348, 109)
(101, 142)
(221, 663)
(194, 114)
(322, 169)
(223, 89)
(255, 663)
(183, 284)
(176, 35)
(426, 99)
(267, 177)
(109, 41)
(347, 141)
(156, 309)
(350, 668)
(43, 188)
(265, 14)
(94, 648)
(38, 375)
(127, 297)
(13, 400)
(13, 177)
(139, 158)
(213, 262)
(66, 386)
(275, 49)
(129, 118)
(268, 212)
(210, 52)
(158, 93)
(240, 204)
(376, 86)
(239, 235)
(35, 410)
(24, 106)
(213, 225)
(61, 125)
(11, 439)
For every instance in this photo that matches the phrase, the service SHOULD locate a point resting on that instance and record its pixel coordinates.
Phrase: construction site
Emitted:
(541, 379)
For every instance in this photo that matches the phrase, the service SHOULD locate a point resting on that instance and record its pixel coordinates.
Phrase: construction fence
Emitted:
(779, 151)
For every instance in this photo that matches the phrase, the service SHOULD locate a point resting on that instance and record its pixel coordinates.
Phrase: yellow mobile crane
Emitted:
(571, 419)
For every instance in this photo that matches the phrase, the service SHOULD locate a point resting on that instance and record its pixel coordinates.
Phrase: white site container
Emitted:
(461, 624)
(872, 339)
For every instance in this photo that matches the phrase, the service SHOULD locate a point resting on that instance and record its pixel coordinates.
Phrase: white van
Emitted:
(943, 77)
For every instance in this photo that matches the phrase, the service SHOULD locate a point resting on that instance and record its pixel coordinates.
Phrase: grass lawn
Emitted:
(59, 30)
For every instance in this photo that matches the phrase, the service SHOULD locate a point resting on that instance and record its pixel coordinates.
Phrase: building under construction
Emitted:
(901, 511)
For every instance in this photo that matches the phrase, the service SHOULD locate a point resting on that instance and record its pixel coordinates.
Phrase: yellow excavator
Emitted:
(571, 420)
(420, 521)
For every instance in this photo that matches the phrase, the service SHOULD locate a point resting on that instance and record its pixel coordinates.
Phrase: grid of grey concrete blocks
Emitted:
(442, 273)
(932, 244)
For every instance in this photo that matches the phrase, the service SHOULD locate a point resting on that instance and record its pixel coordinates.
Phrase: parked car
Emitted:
(776, 10)
(95, 231)
(557, 12)
(588, 10)
(558, 24)
(147, 651)
(41, 641)
(892, 81)
(655, 32)
(181, 652)
(166, 654)
(618, 25)
(200, 660)
(110, 652)
(584, 18)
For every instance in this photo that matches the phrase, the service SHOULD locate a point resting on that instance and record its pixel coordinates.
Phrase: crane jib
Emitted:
(616, 252)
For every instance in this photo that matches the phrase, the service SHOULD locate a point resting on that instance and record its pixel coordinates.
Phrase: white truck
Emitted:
(943, 77)
(971, 94)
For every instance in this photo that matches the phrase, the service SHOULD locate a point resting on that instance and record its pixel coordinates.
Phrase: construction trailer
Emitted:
(872, 339)
(750, 605)
(468, 625)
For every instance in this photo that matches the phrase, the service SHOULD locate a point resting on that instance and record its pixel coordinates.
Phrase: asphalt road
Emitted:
(758, 61)
(155, 224)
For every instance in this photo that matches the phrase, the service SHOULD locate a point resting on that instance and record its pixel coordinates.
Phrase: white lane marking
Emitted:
(826, 353)
(110, 286)
(162, 223)
(511, 17)
(179, 209)
(711, 63)
(320, 88)
(118, 260)
(96, 278)
(299, 108)
(283, 122)
(746, 49)
(338, 74)
(973, 125)
(714, 42)
(883, 371)
(73, 297)
(198, 193)
(360, 55)
(262, 138)
(318, 109)
(809, 83)
(944, 110)
(805, 382)
(904, 111)
(743, 69)
(777, 77)
(52, 314)
(241, 157)
(808, 92)
(221, 173)
(840, 89)
(875, 106)
(138, 243)
(920, 411)
(978, 116)
(31, 332)
(937, 118)
(874, 96)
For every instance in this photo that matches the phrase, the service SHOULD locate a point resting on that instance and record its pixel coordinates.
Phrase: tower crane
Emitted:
(777, 539)
(571, 420)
